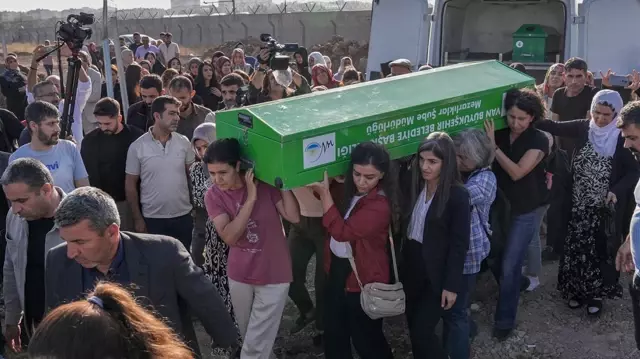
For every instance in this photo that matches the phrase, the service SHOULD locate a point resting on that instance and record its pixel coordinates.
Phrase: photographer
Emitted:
(52, 95)
(265, 88)
(231, 89)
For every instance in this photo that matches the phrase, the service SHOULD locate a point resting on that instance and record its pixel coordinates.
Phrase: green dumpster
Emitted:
(291, 142)
(531, 43)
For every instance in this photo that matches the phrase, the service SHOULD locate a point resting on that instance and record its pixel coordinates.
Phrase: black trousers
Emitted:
(423, 305)
(306, 239)
(345, 322)
(634, 290)
(3, 246)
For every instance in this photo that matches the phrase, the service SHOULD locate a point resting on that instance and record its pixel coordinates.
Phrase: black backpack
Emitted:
(500, 223)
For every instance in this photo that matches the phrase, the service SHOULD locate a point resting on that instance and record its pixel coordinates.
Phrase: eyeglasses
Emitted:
(50, 94)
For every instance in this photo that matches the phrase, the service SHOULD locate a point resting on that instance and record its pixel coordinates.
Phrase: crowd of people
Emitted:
(120, 236)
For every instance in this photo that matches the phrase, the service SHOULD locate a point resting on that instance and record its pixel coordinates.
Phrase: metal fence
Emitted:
(27, 29)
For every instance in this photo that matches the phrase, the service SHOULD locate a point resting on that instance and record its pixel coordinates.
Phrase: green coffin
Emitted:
(291, 142)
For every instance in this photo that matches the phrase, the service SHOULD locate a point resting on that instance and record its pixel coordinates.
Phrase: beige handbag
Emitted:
(380, 300)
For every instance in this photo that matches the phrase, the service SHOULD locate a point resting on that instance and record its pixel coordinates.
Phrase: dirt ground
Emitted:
(546, 328)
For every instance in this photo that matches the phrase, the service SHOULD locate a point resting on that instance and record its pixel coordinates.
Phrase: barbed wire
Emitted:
(188, 21)
(27, 29)
(207, 10)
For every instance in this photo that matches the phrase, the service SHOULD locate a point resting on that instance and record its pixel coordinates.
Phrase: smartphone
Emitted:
(245, 164)
(619, 81)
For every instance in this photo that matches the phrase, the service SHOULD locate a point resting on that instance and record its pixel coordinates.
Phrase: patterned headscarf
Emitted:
(605, 139)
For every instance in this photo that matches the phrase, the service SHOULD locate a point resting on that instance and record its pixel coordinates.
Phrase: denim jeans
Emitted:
(456, 321)
(179, 228)
(534, 251)
(523, 228)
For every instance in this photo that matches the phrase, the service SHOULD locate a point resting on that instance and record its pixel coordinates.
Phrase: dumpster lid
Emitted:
(319, 112)
(534, 30)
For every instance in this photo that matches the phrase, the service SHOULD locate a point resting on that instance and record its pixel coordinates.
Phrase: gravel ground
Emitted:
(546, 328)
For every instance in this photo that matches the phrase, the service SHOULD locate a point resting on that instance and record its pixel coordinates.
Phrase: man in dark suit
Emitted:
(157, 268)
(4, 209)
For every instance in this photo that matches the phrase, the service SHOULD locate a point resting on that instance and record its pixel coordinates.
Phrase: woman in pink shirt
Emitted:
(246, 213)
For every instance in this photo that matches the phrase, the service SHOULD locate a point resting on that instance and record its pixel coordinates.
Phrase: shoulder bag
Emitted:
(380, 300)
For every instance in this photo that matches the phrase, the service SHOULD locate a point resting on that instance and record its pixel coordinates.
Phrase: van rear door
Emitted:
(399, 30)
(608, 36)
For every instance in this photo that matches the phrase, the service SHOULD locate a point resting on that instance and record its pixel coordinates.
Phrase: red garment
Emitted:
(367, 230)
(315, 71)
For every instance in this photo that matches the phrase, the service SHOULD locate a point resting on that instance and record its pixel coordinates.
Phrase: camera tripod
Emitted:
(69, 91)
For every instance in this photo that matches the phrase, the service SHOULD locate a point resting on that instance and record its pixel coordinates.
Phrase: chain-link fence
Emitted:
(205, 24)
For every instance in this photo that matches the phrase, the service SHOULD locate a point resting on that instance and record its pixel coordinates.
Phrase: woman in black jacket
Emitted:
(301, 58)
(604, 174)
(157, 68)
(437, 241)
(207, 86)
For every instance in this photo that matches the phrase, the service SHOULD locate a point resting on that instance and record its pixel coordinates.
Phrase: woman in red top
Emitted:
(360, 229)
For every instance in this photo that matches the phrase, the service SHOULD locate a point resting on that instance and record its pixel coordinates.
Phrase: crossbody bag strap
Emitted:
(393, 257)
(355, 271)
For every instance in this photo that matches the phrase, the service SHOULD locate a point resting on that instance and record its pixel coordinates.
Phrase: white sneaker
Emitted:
(534, 282)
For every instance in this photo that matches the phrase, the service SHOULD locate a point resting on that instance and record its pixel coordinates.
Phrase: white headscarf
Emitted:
(318, 59)
(605, 139)
(338, 75)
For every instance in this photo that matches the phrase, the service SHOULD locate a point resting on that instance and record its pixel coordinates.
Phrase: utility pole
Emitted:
(105, 48)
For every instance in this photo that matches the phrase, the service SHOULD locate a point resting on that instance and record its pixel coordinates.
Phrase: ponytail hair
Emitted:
(109, 324)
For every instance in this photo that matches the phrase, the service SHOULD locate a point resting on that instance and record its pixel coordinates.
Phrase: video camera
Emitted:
(276, 60)
(75, 31)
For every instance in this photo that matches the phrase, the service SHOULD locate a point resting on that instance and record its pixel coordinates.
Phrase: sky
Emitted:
(10, 5)
(70, 4)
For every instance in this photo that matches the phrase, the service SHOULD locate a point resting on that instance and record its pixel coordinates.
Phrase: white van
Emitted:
(599, 31)
(608, 38)
(473, 30)
(399, 30)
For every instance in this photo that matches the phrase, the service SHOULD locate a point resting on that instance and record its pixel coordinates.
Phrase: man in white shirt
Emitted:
(50, 93)
(159, 162)
(168, 48)
(89, 122)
